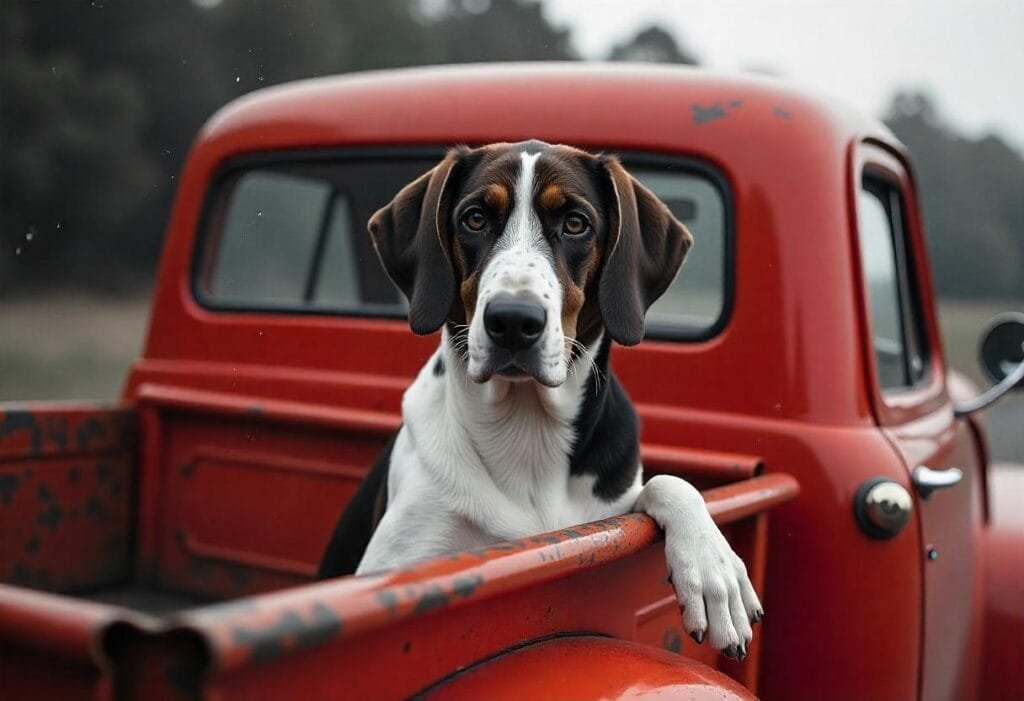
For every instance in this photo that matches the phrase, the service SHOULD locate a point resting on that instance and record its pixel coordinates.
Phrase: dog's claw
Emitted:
(732, 652)
(757, 616)
(698, 635)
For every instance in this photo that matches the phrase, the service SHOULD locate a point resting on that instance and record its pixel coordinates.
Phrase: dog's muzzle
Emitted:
(514, 323)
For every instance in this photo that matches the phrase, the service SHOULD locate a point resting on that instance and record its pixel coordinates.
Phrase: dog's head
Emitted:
(528, 251)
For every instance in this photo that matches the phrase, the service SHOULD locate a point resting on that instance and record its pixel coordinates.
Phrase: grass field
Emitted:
(73, 346)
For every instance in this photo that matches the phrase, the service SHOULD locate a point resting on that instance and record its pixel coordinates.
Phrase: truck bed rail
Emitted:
(357, 624)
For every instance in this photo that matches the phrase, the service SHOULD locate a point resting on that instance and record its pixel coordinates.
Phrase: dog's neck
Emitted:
(522, 430)
(517, 436)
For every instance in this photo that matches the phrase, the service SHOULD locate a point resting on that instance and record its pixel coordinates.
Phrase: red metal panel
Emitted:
(66, 487)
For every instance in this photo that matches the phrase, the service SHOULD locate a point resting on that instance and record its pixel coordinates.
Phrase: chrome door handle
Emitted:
(927, 480)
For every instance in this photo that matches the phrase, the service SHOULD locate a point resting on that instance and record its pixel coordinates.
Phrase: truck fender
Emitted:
(586, 667)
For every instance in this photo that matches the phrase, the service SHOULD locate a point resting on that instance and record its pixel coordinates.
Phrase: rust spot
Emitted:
(672, 641)
(388, 599)
(8, 486)
(465, 586)
(51, 516)
(290, 632)
(19, 420)
(57, 431)
(90, 429)
(434, 597)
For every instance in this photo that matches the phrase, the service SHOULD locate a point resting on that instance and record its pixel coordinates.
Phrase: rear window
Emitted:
(291, 237)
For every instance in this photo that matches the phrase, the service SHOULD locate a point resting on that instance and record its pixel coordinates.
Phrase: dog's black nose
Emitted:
(514, 323)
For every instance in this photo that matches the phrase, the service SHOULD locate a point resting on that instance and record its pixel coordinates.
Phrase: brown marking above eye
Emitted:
(497, 198)
(552, 197)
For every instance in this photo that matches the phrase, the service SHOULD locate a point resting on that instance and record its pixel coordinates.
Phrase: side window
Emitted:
(293, 237)
(271, 228)
(695, 302)
(891, 286)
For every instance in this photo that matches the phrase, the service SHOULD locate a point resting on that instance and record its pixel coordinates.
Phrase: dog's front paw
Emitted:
(717, 599)
(711, 582)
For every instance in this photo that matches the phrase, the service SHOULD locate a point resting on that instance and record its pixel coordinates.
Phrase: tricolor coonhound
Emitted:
(531, 259)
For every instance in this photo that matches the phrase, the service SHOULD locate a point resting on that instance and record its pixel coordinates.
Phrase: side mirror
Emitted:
(1002, 358)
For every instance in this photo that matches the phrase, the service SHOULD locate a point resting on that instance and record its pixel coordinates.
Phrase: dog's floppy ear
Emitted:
(412, 237)
(646, 246)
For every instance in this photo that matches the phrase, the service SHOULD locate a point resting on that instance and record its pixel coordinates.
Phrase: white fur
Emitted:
(522, 261)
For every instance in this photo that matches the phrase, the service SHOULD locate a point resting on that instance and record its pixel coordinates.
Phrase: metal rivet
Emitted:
(933, 554)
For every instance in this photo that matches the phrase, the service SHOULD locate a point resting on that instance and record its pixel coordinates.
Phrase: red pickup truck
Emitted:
(165, 546)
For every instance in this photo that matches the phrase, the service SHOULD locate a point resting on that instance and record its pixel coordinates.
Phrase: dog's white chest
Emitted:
(497, 455)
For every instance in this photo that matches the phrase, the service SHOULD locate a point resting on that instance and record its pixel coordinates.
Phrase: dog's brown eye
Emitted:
(575, 224)
(474, 219)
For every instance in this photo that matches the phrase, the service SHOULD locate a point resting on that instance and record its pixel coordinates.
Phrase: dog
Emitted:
(531, 259)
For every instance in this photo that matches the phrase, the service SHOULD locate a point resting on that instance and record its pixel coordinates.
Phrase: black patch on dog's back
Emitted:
(607, 432)
(359, 520)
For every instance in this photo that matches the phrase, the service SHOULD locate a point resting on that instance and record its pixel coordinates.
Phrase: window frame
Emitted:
(914, 349)
(899, 405)
(198, 266)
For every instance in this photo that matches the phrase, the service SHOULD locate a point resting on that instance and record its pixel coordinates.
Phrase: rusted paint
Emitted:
(15, 420)
(291, 631)
(672, 641)
(65, 512)
(8, 486)
(38, 430)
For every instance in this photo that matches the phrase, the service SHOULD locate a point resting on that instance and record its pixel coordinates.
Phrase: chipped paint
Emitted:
(291, 631)
(22, 420)
(672, 641)
(64, 476)
(8, 486)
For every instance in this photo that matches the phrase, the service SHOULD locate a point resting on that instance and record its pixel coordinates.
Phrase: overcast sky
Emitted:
(968, 54)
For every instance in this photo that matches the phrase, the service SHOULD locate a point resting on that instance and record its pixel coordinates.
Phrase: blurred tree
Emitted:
(464, 31)
(101, 100)
(72, 170)
(972, 194)
(653, 44)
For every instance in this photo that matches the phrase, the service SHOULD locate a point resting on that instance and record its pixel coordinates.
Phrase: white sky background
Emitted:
(967, 54)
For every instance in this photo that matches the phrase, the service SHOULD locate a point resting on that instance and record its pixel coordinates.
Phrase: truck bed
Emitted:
(202, 615)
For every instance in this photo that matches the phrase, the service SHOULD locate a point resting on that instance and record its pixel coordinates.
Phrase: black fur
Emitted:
(607, 432)
(359, 520)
